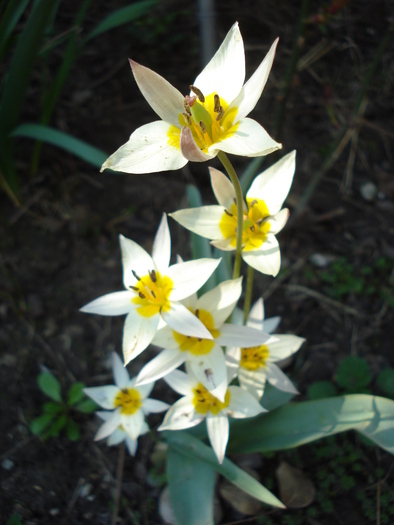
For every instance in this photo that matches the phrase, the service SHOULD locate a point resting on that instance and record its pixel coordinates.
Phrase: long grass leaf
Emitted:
(10, 18)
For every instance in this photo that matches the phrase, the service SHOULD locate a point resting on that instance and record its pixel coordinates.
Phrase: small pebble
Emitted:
(54, 512)
(7, 464)
(368, 191)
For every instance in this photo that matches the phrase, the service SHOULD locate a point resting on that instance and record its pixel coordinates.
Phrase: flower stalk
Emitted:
(248, 293)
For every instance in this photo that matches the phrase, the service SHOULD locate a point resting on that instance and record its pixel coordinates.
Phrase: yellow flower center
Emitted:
(152, 291)
(129, 399)
(207, 118)
(254, 358)
(255, 224)
(205, 402)
(194, 345)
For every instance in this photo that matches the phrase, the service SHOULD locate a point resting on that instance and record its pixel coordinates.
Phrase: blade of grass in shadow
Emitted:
(9, 19)
(77, 147)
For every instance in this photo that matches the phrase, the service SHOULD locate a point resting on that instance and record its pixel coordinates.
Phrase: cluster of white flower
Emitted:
(160, 300)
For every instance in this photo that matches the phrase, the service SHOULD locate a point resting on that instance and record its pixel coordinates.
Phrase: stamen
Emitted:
(153, 294)
(199, 94)
(220, 113)
(134, 288)
(141, 295)
(216, 100)
(235, 200)
(228, 213)
(203, 127)
(197, 313)
(254, 201)
(135, 275)
(186, 105)
(190, 100)
(187, 118)
(152, 275)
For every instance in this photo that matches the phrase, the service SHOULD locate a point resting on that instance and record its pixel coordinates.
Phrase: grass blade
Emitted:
(10, 18)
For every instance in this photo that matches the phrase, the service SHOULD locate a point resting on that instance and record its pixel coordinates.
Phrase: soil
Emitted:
(59, 249)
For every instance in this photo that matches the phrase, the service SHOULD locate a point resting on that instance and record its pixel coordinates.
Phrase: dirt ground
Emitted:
(59, 250)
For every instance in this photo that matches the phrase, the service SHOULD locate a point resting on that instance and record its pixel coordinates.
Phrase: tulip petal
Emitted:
(134, 257)
(189, 148)
(243, 336)
(266, 259)
(154, 406)
(222, 188)
(116, 303)
(223, 244)
(164, 337)
(210, 370)
(180, 319)
(149, 149)
(161, 365)
(218, 433)
(204, 220)
(278, 221)
(131, 445)
(110, 425)
(120, 373)
(180, 382)
(271, 324)
(285, 346)
(103, 395)
(188, 277)
(253, 381)
(256, 315)
(242, 404)
(133, 423)
(161, 250)
(221, 300)
(279, 379)
(181, 415)
(138, 332)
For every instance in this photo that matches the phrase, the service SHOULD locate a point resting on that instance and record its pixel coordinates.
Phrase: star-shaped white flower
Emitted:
(262, 216)
(129, 403)
(199, 404)
(255, 366)
(119, 434)
(205, 357)
(153, 291)
(197, 126)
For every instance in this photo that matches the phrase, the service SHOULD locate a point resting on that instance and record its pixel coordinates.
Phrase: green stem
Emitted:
(248, 293)
(240, 219)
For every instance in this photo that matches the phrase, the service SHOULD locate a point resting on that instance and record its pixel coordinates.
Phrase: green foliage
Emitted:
(385, 381)
(15, 519)
(321, 389)
(58, 415)
(353, 374)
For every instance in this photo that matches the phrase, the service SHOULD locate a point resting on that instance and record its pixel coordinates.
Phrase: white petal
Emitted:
(204, 220)
(253, 88)
(161, 251)
(223, 244)
(104, 415)
(189, 148)
(120, 373)
(109, 426)
(221, 300)
(256, 315)
(279, 379)
(138, 332)
(144, 390)
(274, 184)
(181, 415)
(154, 406)
(103, 395)
(162, 97)
(180, 382)
(133, 423)
(266, 259)
(242, 404)
(246, 138)
(225, 73)
(278, 221)
(253, 381)
(164, 337)
(271, 324)
(116, 437)
(285, 346)
(218, 433)
(131, 445)
(243, 336)
(134, 257)
(210, 370)
(222, 188)
(180, 319)
(161, 365)
(116, 303)
(149, 149)
(188, 277)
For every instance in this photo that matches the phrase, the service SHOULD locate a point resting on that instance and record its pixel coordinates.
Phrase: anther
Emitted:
(228, 213)
(220, 113)
(186, 105)
(153, 294)
(190, 101)
(134, 288)
(216, 100)
(152, 275)
(254, 201)
(197, 313)
(187, 118)
(141, 295)
(197, 92)
(235, 200)
(135, 275)
(203, 127)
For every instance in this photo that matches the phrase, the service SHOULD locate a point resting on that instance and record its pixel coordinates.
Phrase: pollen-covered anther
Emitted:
(228, 213)
(220, 113)
(197, 92)
(186, 116)
(141, 295)
(254, 201)
(186, 105)
(216, 100)
(203, 127)
(135, 275)
(152, 275)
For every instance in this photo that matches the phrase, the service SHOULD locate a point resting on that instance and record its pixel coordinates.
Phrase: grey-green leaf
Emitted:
(50, 386)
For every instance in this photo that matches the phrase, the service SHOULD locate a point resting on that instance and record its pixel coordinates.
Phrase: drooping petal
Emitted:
(103, 395)
(221, 300)
(161, 250)
(110, 425)
(243, 336)
(222, 188)
(180, 382)
(154, 406)
(253, 381)
(162, 97)
(253, 88)
(116, 303)
(151, 148)
(120, 373)
(134, 258)
(266, 259)
(204, 220)
(138, 332)
(188, 277)
(161, 365)
(181, 415)
(246, 138)
(279, 379)
(225, 73)
(180, 319)
(189, 148)
(278, 221)
(133, 423)
(218, 433)
(273, 185)
(285, 346)
(242, 404)
(210, 370)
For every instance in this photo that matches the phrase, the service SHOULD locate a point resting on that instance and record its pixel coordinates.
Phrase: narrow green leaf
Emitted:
(55, 429)
(41, 423)
(298, 423)
(10, 18)
(53, 408)
(123, 16)
(72, 430)
(191, 483)
(86, 407)
(62, 140)
(75, 393)
(50, 386)
(192, 447)
(274, 398)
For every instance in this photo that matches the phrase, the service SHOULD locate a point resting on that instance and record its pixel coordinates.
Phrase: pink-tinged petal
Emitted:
(242, 404)
(279, 379)
(266, 259)
(161, 250)
(256, 315)
(188, 277)
(161, 365)
(103, 395)
(154, 406)
(243, 336)
(271, 324)
(162, 97)
(180, 319)
(204, 220)
(278, 221)
(246, 138)
(210, 370)
(273, 185)
(180, 382)
(189, 148)
(218, 433)
(225, 73)
(134, 258)
(181, 415)
(149, 149)
(138, 332)
(222, 188)
(253, 88)
(253, 381)
(116, 303)
(133, 423)
(285, 346)
(110, 425)
(120, 373)
(223, 244)
(221, 300)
